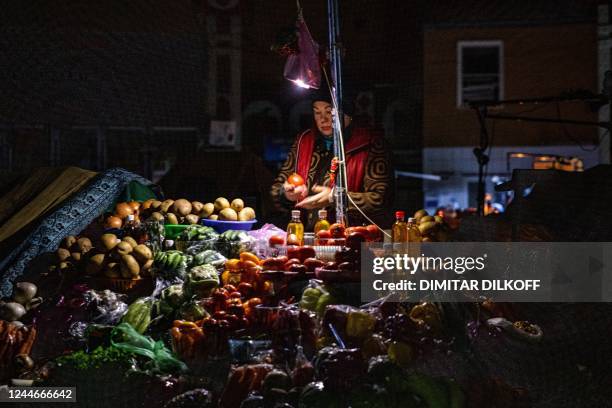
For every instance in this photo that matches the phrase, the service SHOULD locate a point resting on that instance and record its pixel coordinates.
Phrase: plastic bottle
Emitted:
(399, 230)
(132, 228)
(295, 229)
(130, 224)
(414, 235)
(135, 229)
(322, 223)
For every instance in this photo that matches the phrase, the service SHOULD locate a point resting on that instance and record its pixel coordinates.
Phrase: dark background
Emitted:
(136, 84)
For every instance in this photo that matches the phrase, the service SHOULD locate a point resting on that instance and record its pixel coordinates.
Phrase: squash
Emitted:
(138, 314)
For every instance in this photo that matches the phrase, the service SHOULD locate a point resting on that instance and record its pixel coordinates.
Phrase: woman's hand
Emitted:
(293, 193)
(322, 199)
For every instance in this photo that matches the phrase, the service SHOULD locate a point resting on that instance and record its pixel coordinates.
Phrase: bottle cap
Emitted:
(322, 214)
(400, 214)
(295, 213)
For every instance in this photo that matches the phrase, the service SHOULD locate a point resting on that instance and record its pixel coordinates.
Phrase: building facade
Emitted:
(505, 53)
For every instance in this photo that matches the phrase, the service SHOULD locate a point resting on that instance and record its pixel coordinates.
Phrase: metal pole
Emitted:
(482, 158)
(336, 73)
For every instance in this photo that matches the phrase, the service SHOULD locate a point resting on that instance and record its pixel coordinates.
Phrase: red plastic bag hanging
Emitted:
(303, 67)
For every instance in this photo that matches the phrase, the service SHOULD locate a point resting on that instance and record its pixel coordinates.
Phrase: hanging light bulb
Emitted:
(300, 83)
(303, 68)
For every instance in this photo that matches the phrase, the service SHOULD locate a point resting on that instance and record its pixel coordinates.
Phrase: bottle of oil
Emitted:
(135, 229)
(322, 223)
(414, 235)
(295, 229)
(399, 231)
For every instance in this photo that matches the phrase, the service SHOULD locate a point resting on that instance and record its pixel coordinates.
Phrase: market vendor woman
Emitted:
(369, 170)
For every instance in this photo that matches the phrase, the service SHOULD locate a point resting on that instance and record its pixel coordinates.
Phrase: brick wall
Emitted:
(538, 62)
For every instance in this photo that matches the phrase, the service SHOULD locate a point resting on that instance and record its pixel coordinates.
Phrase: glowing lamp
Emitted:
(300, 83)
(302, 68)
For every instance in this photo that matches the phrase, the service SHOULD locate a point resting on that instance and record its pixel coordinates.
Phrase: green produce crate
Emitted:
(173, 230)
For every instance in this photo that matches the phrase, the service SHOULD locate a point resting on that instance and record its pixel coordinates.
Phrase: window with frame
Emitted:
(480, 74)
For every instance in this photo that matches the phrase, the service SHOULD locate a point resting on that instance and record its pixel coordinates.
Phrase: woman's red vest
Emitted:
(355, 150)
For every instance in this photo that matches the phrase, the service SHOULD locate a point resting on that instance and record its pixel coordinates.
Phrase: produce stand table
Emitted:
(232, 316)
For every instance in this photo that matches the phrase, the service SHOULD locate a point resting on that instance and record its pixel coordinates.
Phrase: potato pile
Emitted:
(223, 210)
(112, 257)
(432, 228)
(120, 258)
(183, 211)
(179, 211)
(71, 253)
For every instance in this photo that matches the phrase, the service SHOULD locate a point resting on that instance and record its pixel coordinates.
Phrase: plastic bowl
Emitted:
(173, 230)
(222, 226)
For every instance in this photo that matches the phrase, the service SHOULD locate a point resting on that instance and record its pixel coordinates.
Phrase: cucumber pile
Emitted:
(208, 257)
(233, 236)
(197, 233)
(138, 314)
(232, 242)
(177, 261)
(172, 261)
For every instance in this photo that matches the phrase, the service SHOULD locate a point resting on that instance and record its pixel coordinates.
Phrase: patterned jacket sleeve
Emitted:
(276, 191)
(378, 187)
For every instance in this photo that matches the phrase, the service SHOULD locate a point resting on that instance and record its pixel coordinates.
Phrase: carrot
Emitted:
(26, 347)
(5, 342)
